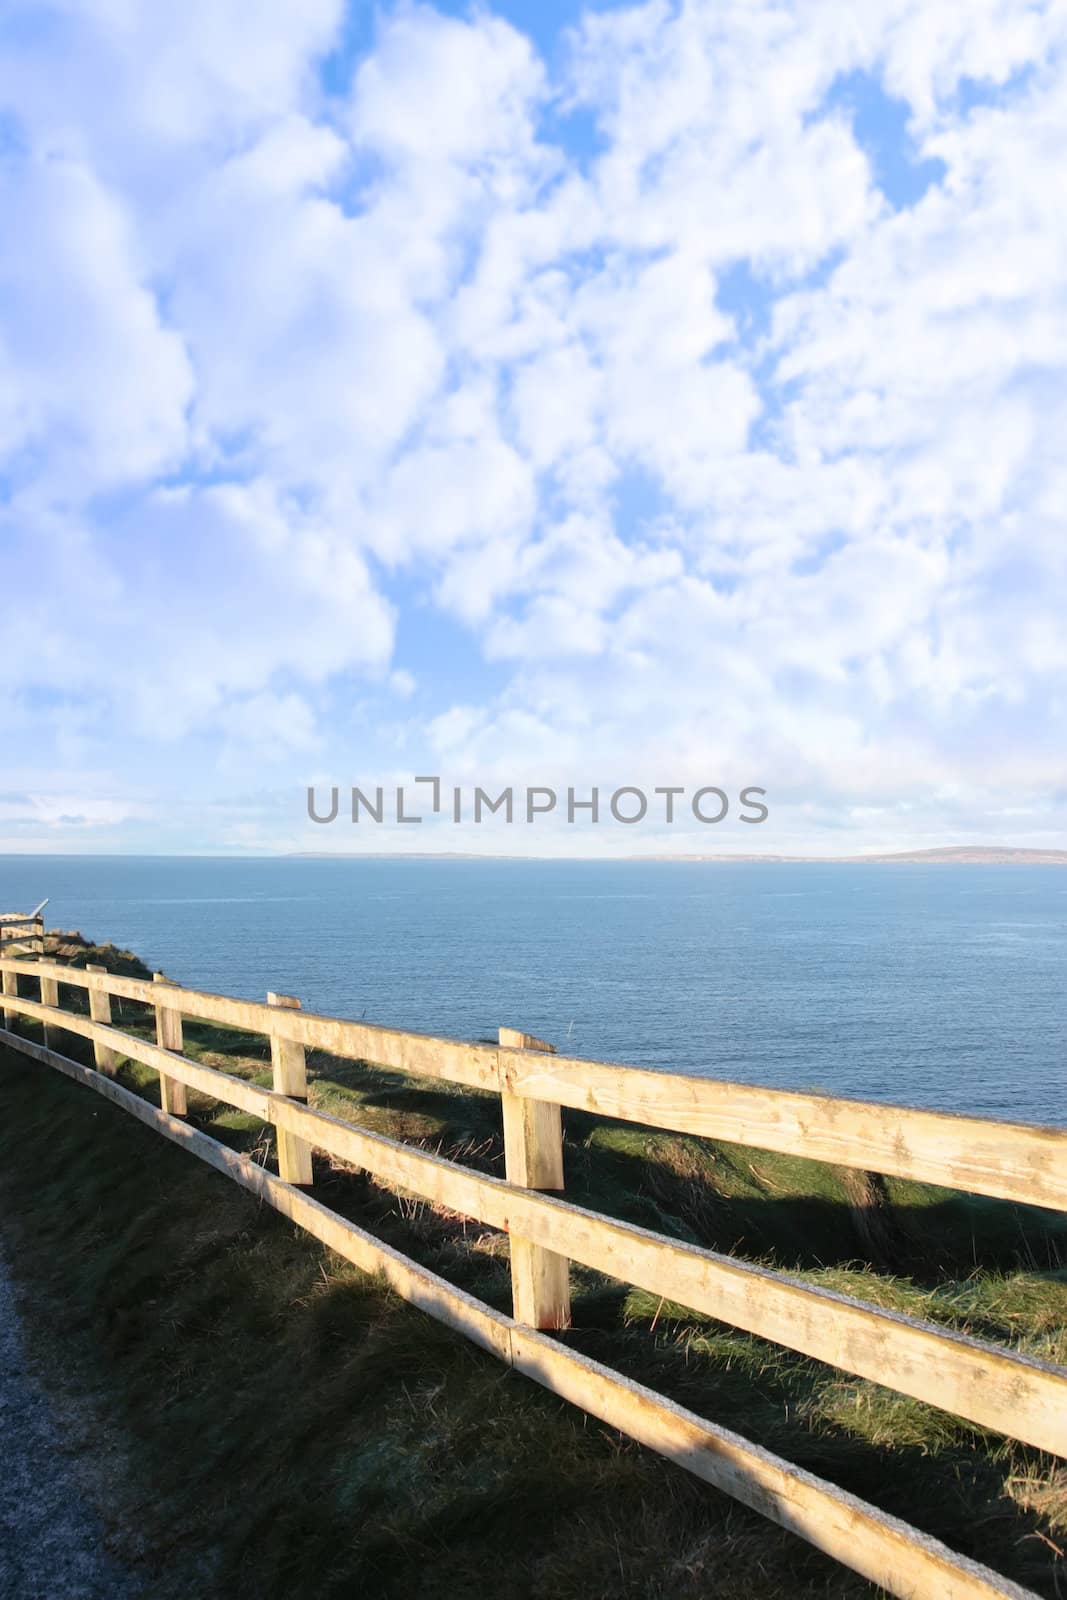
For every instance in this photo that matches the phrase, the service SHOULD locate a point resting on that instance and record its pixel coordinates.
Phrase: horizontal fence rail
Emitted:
(988, 1385)
(891, 1553)
(1005, 1160)
(22, 934)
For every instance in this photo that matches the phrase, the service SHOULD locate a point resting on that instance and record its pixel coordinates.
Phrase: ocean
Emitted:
(939, 986)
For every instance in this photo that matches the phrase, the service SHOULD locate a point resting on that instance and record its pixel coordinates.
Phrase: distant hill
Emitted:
(975, 855)
(947, 855)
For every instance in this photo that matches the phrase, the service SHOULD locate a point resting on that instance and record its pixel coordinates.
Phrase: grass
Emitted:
(280, 1425)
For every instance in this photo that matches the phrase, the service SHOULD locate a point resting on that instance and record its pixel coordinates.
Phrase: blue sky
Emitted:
(532, 394)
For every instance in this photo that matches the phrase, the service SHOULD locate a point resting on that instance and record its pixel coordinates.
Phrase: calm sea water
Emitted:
(936, 986)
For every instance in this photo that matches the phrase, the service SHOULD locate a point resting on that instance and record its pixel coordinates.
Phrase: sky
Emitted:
(533, 394)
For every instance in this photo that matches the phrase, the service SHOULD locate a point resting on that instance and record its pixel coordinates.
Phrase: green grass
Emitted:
(287, 1427)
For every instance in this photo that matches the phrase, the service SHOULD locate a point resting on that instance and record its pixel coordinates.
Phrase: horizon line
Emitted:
(967, 854)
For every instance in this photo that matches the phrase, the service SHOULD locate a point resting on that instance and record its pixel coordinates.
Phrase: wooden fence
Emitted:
(991, 1386)
(18, 932)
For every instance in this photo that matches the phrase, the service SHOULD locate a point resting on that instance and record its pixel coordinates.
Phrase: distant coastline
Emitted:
(946, 855)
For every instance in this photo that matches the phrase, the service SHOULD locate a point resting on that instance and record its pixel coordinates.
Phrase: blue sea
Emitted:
(937, 986)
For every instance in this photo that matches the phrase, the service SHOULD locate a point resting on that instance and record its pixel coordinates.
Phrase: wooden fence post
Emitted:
(100, 1011)
(49, 997)
(290, 1078)
(172, 1098)
(11, 986)
(533, 1157)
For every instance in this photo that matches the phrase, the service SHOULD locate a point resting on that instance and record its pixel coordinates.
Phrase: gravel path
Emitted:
(51, 1542)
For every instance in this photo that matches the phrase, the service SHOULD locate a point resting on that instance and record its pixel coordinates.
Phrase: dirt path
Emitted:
(51, 1542)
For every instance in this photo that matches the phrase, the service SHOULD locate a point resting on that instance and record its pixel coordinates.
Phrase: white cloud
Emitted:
(93, 386)
(402, 683)
(452, 492)
(439, 90)
(191, 597)
(557, 400)
(267, 727)
(137, 82)
(63, 812)
(276, 365)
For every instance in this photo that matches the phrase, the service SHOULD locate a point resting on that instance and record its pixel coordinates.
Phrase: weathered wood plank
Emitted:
(50, 997)
(420, 1054)
(169, 1036)
(988, 1385)
(290, 1078)
(898, 1558)
(892, 1554)
(106, 1058)
(16, 933)
(468, 1316)
(218, 1085)
(10, 987)
(1012, 1161)
(32, 969)
(533, 1158)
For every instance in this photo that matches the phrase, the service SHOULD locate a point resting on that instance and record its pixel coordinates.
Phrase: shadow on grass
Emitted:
(302, 1421)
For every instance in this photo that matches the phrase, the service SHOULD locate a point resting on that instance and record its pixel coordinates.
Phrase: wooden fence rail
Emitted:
(989, 1385)
(16, 929)
(1006, 1160)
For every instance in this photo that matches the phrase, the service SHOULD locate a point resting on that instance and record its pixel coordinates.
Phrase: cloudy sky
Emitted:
(660, 394)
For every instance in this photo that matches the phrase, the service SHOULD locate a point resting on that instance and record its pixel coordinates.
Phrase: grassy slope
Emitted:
(304, 1433)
